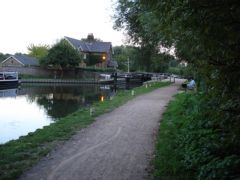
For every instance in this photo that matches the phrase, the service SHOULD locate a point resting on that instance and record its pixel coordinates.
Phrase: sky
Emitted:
(25, 22)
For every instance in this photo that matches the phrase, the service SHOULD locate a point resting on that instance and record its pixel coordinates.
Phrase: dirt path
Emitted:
(119, 145)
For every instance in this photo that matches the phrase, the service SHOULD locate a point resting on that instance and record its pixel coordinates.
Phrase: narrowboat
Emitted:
(8, 79)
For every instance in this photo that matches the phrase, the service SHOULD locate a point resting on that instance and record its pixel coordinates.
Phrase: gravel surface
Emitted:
(118, 145)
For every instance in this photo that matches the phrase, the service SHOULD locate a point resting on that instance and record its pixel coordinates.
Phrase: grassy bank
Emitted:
(168, 159)
(18, 155)
(192, 143)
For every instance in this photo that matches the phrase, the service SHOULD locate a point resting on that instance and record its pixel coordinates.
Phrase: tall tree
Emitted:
(63, 55)
(206, 35)
(127, 55)
(131, 17)
(141, 25)
(38, 51)
(3, 56)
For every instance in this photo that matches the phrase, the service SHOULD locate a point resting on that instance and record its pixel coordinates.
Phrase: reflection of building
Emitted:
(92, 47)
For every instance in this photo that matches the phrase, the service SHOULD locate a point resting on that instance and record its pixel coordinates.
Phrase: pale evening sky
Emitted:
(25, 22)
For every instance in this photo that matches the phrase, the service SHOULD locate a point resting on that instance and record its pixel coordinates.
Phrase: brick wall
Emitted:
(51, 73)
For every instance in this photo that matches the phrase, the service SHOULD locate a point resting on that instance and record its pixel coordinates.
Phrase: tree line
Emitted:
(205, 34)
(63, 55)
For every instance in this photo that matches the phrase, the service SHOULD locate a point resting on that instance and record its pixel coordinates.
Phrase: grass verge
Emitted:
(19, 155)
(170, 152)
(196, 141)
(167, 161)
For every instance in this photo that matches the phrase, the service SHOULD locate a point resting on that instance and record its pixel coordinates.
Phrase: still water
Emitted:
(28, 108)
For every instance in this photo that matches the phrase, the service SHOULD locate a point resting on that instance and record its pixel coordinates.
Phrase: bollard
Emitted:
(91, 110)
(133, 92)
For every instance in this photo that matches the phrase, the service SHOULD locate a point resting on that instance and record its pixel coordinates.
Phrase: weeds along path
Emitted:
(118, 145)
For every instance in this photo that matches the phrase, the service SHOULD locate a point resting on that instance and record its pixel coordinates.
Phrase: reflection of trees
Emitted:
(58, 108)
(59, 101)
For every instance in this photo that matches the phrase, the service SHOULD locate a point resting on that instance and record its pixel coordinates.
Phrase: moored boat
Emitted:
(8, 79)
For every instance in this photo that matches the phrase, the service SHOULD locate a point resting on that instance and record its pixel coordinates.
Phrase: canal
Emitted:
(30, 107)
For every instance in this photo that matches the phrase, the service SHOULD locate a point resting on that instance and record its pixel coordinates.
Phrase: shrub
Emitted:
(192, 144)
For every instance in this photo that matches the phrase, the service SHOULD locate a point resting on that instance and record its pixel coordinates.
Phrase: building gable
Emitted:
(93, 48)
(11, 61)
(20, 60)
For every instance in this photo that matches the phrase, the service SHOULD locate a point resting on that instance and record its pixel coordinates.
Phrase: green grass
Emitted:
(169, 153)
(167, 161)
(19, 155)
(192, 143)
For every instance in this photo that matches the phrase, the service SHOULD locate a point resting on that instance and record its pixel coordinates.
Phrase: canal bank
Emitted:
(67, 81)
(17, 156)
(34, 105)
(119, 145)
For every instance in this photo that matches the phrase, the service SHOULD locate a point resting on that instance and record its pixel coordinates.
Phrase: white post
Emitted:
(128, 65)
(133, 93)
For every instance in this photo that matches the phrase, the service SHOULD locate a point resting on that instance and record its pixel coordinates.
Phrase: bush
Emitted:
(193, 146)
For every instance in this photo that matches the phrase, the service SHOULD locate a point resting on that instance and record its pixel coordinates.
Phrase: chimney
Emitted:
(90, 37)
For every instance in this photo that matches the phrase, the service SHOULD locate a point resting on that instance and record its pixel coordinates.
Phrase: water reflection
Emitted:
(19, 116)
(8, 92)
(59, 101)
(30, 107)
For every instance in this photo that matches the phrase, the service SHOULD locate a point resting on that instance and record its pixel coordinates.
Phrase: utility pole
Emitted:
(128, 64)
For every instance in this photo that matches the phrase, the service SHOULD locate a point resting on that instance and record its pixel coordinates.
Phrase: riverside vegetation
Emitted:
(19, 155)
(205, 35)
(184, 149)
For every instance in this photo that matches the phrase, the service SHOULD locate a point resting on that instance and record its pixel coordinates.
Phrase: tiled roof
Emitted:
(91, 46)
(26, 60)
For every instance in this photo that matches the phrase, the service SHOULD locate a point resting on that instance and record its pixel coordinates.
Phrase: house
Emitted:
(90, 46)
(19, 60)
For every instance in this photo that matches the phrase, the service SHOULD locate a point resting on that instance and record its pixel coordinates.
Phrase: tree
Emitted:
(127, 18)
(93, 59)
(161, 62)
(63, 55)
(205, 34)
(139, 60)
(140, 26)
(123, 54)
(3, 56)
(38, 51)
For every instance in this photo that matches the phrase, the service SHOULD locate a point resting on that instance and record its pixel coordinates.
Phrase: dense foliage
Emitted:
(38, 51)
(62, 55)
(189, 147)
(138, 59)
(140, 29)
(127, 56)
(93, 59)
(3, 56)
(206, 35)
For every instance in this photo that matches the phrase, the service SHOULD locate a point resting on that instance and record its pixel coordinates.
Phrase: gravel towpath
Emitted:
(117, 146)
